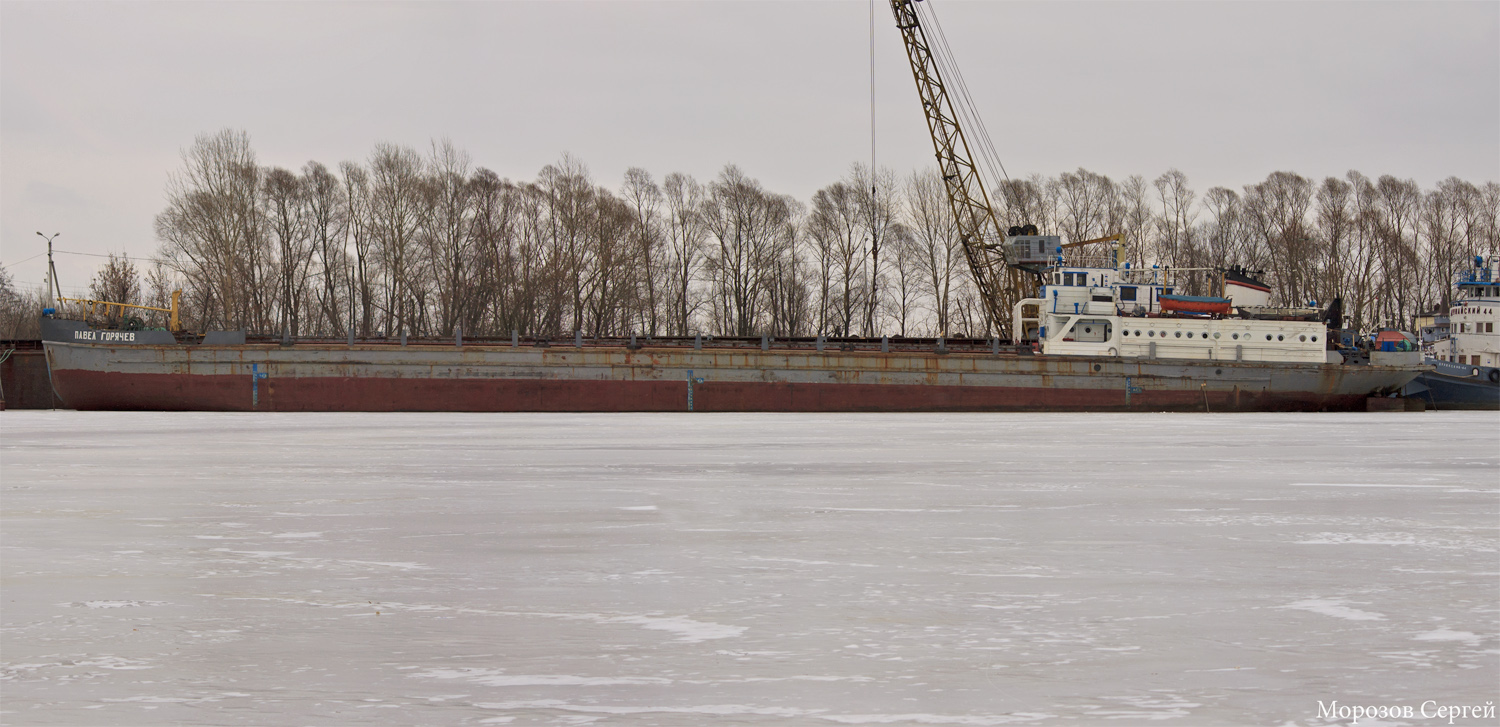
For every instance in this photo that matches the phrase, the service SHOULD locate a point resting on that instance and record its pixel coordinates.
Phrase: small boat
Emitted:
(1243, 289)
(1201, 304)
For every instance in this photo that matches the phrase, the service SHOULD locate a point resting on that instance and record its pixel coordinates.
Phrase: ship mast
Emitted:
(1000, 283)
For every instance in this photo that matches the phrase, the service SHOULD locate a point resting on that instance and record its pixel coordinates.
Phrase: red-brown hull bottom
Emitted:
(125, 391)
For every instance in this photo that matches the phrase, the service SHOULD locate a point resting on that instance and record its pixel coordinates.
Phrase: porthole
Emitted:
(1216, 334)
(1179, 334)
(1268, 336)
(1088, 330)
(1302, 338)
(1151, 333)
(1190, 334)
(1315, 338)
(1218, 372)
(1279, 337)
(1235, 336)
(1096, 367)
(1137, 333)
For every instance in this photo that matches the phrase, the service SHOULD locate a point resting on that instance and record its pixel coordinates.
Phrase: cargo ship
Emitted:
(1099, 340)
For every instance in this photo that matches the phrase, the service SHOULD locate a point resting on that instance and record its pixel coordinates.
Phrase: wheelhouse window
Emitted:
(1127, 292)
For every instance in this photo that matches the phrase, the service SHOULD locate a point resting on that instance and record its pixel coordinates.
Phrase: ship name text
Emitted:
(127, 336)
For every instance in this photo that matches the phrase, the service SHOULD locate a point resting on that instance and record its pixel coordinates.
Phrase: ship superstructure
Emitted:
(1472, 338)
(1115, 309)
(1464, 350)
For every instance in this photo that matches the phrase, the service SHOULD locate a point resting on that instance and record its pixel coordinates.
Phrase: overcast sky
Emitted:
(98, 99)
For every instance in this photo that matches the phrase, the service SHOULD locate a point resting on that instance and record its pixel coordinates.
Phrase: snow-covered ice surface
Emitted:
(228, 569)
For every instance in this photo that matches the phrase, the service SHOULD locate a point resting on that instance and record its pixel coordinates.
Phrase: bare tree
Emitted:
(363, 277)
(1174, 221)
(20, 311)
(907, 275)
(685, 235)
(1335, 221)
(645, 200)
(396, 215)
(1086, 204)
(1365, 249)
(447, 239)
(568, 194)
(211, 233)
(1135, 218)
(936, 250)
(493, 228)
(117, 282)
(610, 271)
(788, 297)
(1222, 233)
(1276, 211)
(160, 283)
(285, 219)
(1025, 201)
(1449, 215)
(1398, 203)
(837, 227)
(878, 200)
(747, 224)
(328, 223)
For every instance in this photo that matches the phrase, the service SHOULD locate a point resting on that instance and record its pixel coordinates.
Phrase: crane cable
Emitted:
(965, 107)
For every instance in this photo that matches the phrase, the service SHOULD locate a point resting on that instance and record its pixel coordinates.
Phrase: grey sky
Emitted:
(97, 100)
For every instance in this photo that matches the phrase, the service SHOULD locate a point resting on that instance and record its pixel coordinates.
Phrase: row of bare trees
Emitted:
(429, 243)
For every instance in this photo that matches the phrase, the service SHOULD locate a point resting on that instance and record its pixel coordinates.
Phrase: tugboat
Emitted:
(1465, 358)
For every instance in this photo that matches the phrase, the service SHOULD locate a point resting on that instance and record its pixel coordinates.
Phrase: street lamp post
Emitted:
(51, 269)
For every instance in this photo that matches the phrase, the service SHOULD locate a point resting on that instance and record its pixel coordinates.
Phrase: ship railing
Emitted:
(1475, 275)
(773, 344)
(109, 308)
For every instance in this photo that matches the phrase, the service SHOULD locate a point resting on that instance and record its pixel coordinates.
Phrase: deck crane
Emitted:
(1000, 267)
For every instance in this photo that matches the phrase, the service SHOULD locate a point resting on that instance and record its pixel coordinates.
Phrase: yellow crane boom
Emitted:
(105, 307)
(1000, 283)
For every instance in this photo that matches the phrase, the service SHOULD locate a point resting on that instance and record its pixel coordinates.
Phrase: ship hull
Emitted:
(496, 378)
(1457, 386)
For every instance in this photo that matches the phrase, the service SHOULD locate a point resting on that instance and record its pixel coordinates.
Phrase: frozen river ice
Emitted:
(463, 569)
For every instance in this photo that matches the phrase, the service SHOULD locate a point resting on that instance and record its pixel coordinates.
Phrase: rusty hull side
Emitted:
(447, 378)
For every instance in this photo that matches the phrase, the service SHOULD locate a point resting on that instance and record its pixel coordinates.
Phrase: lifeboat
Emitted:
(1199, 304)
